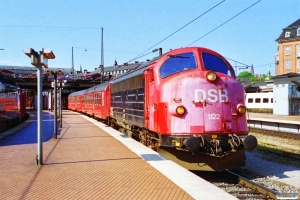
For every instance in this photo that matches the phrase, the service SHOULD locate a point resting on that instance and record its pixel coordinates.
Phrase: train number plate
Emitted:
(213, 116)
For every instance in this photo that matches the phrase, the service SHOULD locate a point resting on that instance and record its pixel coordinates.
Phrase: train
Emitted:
(261, 102)
(12, 104)
(185, 104)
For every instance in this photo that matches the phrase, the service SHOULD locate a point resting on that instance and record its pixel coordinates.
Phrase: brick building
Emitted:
(287, 58)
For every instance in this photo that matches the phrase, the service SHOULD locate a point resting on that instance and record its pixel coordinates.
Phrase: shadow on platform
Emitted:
(28, 134)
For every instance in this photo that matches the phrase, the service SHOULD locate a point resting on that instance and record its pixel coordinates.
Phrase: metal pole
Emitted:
(39, 116)
(102, 55)
(72, 62)
(55, 106)
(60, 103)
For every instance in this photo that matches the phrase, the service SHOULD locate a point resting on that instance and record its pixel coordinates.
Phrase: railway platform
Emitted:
(89, 160)
(295, 119)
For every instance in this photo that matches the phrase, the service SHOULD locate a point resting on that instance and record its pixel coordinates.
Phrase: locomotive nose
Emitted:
(250, 142)
(192, 144)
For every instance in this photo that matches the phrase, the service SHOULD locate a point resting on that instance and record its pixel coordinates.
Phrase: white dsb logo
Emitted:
(212, 95)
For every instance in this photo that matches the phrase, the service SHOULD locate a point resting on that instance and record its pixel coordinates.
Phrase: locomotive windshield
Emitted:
(177, 63)
(217, 64)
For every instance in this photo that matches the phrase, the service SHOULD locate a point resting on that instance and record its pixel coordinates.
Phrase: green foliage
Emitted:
(252, 78)
(246, 74)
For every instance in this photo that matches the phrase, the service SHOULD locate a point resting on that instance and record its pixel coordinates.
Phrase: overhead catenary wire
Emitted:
(138, 56)
(224, 23)
(237, 61)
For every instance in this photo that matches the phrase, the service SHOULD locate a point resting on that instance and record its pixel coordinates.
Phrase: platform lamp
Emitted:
(60, 72)
(54, 85)
(39, 59)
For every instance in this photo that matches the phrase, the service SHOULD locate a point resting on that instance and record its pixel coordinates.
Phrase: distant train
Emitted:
(186, 104)
(260, 102)
(12, 104)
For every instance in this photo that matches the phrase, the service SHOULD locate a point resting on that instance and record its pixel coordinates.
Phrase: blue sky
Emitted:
(133, 26)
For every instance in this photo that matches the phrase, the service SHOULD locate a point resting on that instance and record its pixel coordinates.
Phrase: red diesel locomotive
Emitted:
(185, 104)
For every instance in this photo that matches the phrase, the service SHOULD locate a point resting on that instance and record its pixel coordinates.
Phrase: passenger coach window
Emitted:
(215, 63)
(250, 100)
(265, 100)
(178, 63)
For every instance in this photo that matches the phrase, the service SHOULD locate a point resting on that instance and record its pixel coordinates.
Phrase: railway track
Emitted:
(243, 188)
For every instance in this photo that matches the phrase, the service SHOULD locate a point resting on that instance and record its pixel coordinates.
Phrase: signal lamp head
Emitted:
(241, 109)
(211, 76)
(180, 110)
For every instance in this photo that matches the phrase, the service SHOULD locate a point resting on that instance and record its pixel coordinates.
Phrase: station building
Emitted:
(287, 58)
(26, 78)
(285, 85)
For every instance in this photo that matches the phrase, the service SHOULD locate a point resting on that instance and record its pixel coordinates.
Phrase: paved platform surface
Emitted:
(91, 161)
(270, 117)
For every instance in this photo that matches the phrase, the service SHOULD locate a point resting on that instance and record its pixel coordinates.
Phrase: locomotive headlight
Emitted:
(180, 110)
(211, 76)
(241, 109)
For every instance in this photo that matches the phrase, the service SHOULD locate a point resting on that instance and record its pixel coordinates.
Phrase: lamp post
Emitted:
(39, 60)
(49, 72)
(60, 103)
(59, 86)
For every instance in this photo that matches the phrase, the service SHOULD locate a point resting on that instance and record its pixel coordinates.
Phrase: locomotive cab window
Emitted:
(215, 63)
(178, 63)
(250, 100)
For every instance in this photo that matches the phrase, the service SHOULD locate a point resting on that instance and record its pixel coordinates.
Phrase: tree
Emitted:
(252, 78)
(248, 75)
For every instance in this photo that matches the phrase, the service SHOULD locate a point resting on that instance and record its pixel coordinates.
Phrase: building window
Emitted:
(288, 34)
(287, 50)
(298, 50)
(298, 63)
(298, 32)
(287, 64)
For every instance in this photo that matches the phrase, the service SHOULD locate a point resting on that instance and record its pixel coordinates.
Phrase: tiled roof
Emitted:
(296, 23)
(293, 32)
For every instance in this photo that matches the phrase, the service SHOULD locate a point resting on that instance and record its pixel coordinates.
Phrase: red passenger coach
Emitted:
(12, 104)
(101, 104)
(75, 101)
(94, 101)
(187, 105)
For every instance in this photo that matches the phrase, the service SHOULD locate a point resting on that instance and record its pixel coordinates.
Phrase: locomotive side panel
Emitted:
(127, 100)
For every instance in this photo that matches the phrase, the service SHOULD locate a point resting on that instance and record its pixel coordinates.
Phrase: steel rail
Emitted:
(269, 193)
